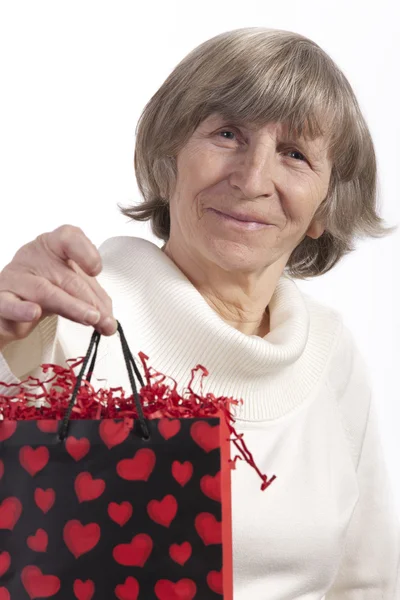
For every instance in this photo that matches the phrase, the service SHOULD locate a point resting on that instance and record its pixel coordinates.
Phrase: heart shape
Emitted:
(211, 486)
(113, 432)
(185, 589)
(138, 468)
(10, 512)
(5, 562)
(214, 581)
(136, 553)
(32, 460)
(120, 513)
(169, 427)
(205, 435)
(4, 594)
(77, 448)
(84, 590)
(87, 488)
(39, 541)
(7, 428)
(208, 528)
(38, 585)
(79, 538)
(182, 472)
(163, 511)
(48, 425)
(44, 499)
(180, 553)
(128, 590)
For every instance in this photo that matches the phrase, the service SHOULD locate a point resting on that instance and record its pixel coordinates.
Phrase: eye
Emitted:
(226, 131)
(291, 150)
(294, 151)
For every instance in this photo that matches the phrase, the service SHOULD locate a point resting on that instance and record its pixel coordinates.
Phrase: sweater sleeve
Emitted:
(370, 563)
(23, 358)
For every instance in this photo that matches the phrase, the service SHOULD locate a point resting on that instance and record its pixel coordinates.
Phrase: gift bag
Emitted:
(126, 508)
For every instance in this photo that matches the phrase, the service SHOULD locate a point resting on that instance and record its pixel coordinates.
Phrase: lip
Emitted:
(239, 219)
(237, 224)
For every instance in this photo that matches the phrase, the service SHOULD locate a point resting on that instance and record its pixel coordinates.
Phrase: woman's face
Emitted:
(258, 171)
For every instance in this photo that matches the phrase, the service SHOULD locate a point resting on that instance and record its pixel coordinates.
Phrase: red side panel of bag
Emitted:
(226, 495)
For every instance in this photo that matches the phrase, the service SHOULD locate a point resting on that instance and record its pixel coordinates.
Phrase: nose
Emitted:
(254, 170)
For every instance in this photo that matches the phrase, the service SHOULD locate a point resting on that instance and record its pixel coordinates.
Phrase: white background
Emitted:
(75, 77)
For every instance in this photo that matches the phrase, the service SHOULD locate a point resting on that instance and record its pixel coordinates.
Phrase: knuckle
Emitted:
(66, 232)
(74, 285)
(43, 287)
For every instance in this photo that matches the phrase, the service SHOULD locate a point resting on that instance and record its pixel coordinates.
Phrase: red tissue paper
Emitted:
(35, 399)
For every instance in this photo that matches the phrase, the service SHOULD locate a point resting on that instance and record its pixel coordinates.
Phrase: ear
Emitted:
(315, 230)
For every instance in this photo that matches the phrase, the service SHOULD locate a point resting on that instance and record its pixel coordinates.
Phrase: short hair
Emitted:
(261, 75)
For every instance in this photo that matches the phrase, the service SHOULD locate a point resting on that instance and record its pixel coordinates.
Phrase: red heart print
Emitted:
(206, 436)
(7, 428)
(214, 581)
(4, 594)
(180, 553)
(120, 513)
(1, 469)
(128, 590)
(211, 486)
(182, 472)
(185, 589)
(163, 511)
(208, 528)
(87, 488)
(77, 448)
(134, 554)
(169, 427)
(5, 562)
(32, 460)
(44, 499)
(38, 585)
(48, 425)
(39, 541)
(113, 432)
(79, 538)
(138, 468)
(10, 512)
(84, 590)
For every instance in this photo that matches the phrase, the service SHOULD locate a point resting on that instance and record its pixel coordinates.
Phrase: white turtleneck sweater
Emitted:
(326, 528)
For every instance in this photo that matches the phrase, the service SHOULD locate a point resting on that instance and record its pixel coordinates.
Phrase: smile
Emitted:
(243, 225)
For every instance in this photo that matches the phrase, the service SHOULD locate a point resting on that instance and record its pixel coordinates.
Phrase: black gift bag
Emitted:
(133, 509)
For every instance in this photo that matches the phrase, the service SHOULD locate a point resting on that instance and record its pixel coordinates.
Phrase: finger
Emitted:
(53, 299)
(70, 242)
(13, 308)
(24, 285)
(93, 284)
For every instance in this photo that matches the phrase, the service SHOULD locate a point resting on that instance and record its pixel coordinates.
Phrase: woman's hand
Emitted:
(53, 274)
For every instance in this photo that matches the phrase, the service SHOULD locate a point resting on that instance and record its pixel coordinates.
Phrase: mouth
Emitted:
(246, 225)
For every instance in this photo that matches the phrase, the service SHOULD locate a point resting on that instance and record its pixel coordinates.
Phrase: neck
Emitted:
(250, 326)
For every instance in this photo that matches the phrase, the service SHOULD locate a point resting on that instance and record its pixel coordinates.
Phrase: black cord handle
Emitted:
(129, 361)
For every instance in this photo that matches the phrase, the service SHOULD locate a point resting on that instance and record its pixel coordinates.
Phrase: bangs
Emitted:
(296, 85)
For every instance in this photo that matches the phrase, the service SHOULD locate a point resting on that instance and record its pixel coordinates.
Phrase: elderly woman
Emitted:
(257, 168)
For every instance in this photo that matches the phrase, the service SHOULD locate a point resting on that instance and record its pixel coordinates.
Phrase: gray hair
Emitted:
(264, 75)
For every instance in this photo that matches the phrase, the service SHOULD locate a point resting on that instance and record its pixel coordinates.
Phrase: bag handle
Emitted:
(129, 361)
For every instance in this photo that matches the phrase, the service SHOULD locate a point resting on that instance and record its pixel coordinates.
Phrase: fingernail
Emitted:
(92, 317)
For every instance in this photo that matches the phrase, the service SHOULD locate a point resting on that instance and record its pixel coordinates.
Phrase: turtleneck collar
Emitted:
(177, 329)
